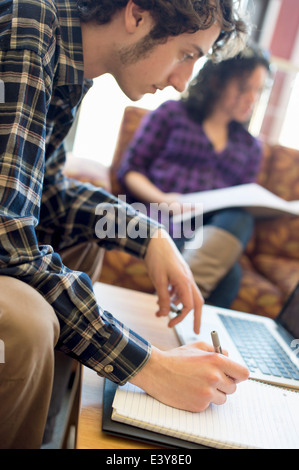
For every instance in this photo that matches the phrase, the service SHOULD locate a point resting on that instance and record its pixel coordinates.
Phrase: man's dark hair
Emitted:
(207, 87)
(175, 17)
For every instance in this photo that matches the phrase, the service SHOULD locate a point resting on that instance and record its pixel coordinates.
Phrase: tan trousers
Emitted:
(211, 258)
(29, 330)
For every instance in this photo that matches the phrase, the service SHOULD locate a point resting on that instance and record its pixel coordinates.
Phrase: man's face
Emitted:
(141, 71)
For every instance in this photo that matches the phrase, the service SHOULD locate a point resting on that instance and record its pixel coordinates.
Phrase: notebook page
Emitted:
(256, 416)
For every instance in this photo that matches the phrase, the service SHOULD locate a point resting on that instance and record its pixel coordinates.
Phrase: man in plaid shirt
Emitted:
(49, 52)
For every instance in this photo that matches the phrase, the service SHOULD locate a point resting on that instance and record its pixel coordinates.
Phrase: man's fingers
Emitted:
(237, 372)
(198, 304)
(193, 305)
(163, 299)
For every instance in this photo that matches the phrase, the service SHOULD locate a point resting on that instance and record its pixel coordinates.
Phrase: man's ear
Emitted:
(135, 16)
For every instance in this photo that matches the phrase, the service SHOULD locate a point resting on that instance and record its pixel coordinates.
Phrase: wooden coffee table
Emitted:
(136, 310)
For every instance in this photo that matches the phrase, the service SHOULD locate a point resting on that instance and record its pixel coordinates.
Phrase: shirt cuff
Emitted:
(119, 354)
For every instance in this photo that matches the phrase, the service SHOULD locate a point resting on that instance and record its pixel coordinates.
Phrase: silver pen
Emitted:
(177, 309)
(216, 342)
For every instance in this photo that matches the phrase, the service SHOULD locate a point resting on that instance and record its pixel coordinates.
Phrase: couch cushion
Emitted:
(123, 270)
(265, 164)
(257, 294)
(130, 122)
(283, 177)
(279, 237)
(282, 272)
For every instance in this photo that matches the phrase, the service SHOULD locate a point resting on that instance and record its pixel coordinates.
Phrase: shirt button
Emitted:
(108, 369)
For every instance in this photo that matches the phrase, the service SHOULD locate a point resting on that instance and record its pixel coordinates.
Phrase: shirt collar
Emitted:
(71, 50)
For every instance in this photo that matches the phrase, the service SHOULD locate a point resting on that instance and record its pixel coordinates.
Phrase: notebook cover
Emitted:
(125, 430)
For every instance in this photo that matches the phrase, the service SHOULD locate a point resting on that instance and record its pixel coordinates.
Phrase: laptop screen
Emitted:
(289, 315)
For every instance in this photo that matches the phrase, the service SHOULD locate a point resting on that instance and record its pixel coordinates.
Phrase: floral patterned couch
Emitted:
(271, 261)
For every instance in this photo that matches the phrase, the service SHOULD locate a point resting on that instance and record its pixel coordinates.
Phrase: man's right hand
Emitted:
(190, 377)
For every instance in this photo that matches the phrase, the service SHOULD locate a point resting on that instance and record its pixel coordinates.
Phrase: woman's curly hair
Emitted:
(175, 17)
(208, 86)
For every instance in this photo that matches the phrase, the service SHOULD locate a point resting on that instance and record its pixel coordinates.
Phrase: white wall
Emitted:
(101, 113)
(100, 116)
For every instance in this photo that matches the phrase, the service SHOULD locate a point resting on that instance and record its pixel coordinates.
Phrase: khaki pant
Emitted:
(29, 330)
(211, 260)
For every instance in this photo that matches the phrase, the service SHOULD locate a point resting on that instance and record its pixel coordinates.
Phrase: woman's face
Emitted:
(240, 95)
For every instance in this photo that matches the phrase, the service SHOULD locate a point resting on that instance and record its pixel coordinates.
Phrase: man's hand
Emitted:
(172, 279)
(190, 377)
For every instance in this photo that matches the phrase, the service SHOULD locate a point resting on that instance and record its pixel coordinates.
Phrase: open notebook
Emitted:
(257, 415)
(257, 200)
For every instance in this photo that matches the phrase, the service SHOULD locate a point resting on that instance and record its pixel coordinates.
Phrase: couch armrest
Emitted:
(86, 170)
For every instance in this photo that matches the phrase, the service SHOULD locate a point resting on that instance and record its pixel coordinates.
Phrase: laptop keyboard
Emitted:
(259, 348)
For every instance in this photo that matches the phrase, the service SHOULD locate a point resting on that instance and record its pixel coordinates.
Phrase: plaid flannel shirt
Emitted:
(41, 66)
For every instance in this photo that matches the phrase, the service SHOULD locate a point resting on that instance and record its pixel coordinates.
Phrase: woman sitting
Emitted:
(200, 143)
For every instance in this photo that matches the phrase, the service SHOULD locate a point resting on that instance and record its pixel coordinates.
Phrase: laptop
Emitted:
(268, 348)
